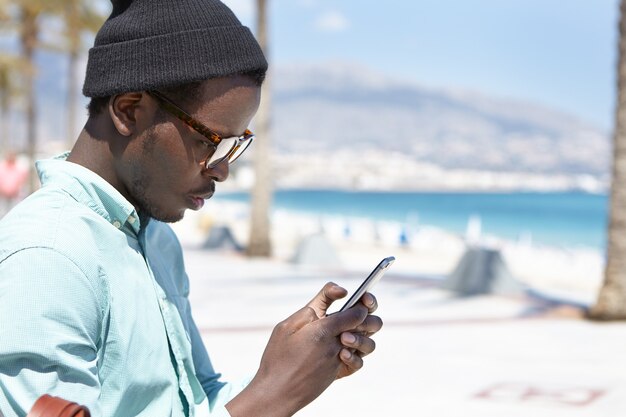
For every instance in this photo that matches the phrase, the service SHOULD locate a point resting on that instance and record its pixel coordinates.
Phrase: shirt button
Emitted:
(131, 219)
(117, 224)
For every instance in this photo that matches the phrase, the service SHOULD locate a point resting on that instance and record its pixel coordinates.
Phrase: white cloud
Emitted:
(332, 21)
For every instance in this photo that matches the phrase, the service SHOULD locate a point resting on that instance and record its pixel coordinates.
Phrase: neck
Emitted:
(95, 150)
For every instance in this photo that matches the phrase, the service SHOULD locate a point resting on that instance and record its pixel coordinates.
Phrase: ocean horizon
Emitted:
(571, 219)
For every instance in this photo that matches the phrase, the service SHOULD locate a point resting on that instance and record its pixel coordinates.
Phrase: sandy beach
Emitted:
(438, 354)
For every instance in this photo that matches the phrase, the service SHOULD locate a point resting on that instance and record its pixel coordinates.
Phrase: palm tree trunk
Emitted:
(73, 35)
(29, 36)
(4, 109)
(611, 303)
(72, 92)
(259, 242)
(5, 144)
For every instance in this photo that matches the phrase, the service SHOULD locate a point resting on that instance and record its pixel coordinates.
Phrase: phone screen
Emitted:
(369, 282)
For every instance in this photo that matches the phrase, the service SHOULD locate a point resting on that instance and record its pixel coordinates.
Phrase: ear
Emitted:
(123, 111)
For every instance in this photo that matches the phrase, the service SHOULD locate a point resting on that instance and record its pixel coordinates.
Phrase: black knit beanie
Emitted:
(149, 44)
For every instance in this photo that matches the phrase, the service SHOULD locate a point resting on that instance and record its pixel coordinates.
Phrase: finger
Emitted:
(327, 295)
(345, 320)
(299, 319)
(352, 360)
(370, 325)
(363, 344)
(369, 301)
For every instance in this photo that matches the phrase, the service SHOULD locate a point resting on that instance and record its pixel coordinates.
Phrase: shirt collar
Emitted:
(90, 189)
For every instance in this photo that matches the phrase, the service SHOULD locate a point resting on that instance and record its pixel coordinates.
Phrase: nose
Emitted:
(219, 172)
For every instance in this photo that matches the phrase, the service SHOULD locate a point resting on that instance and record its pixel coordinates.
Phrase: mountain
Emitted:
(347, 109)
(340, 124)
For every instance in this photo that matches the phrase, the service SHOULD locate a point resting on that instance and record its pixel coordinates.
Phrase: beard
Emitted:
(147, 206)
(141, 181)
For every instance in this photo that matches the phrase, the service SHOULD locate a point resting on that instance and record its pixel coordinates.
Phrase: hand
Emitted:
(301, 358)
(358, 342)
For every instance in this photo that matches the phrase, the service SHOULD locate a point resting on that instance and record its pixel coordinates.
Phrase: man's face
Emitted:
(163, 168)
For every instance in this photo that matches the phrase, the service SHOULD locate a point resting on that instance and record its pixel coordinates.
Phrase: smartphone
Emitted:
(369, 282)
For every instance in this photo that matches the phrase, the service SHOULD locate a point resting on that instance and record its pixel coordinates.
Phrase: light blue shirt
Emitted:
(94, 308)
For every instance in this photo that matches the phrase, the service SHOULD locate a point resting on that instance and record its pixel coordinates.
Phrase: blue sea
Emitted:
(562, 219)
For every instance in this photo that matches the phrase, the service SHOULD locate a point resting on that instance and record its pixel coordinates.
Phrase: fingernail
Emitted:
(345, 353)
(349, 338)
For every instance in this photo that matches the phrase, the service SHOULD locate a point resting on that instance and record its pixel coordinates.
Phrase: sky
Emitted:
(557, 53)
(552, 52)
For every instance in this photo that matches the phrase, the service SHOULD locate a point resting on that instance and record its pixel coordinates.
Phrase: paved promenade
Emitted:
(437, 355)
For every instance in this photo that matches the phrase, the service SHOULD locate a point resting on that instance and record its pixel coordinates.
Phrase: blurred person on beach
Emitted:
(93, 290)
(13, 176)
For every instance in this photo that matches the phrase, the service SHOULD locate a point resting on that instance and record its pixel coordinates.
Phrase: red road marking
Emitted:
(524, 392)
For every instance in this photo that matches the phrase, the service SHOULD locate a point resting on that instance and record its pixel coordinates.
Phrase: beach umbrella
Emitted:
(482, 270)
(315, 250)
(221, 237)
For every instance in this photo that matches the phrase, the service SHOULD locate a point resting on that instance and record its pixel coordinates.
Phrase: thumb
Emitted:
(330, 293)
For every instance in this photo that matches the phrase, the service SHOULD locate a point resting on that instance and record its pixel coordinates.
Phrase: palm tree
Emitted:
(5, 88)
(10, 66)
(5, 15)
(28, 15)
(6, 82)
(611, 303)
(79, 16)
(259, 242)
(27, 18)
(29, 37)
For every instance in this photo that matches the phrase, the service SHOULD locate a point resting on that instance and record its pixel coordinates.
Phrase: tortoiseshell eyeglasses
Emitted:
(218, 148)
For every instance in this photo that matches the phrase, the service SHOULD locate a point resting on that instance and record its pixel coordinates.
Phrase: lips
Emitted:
(197, 203)
(203, 196)
(199, 196)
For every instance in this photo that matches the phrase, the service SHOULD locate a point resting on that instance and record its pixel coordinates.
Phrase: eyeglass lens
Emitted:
(230, 148)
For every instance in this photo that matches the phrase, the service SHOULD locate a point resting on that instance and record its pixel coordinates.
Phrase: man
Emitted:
(93, 291)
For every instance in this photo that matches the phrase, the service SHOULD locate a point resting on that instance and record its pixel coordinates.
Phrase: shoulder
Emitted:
(43, 277)
(50, 224)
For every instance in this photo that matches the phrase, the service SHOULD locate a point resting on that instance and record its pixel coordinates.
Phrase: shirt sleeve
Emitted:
(50, 326)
